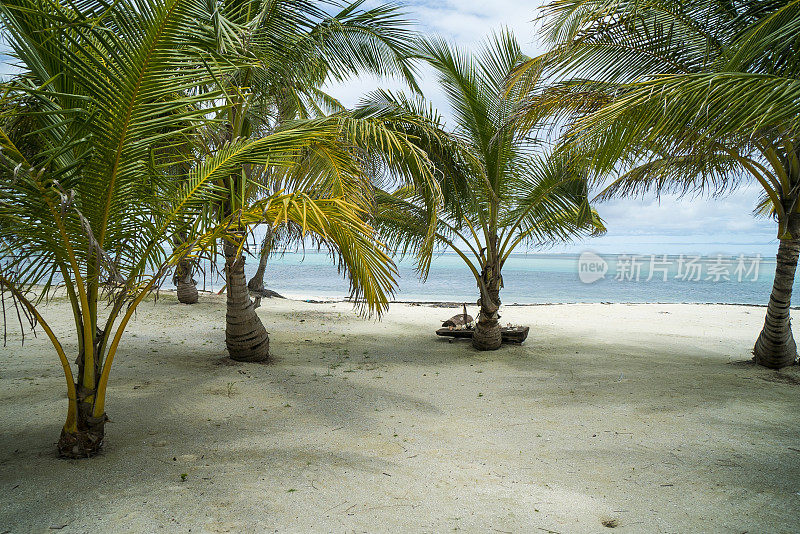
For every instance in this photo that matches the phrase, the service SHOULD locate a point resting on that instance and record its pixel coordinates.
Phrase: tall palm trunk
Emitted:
(487, 335)
(775, 346)
(245, 336)
(256, 283)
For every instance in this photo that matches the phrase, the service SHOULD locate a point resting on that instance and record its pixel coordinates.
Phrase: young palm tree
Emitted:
(79, 202)
(328, 168)
(299, 46)
(85, 202)
(498, 192)
(687, 96)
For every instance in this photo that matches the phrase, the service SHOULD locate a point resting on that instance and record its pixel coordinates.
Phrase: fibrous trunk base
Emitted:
(245, 336)
(775, 355)
(82, 443)
(487, 335)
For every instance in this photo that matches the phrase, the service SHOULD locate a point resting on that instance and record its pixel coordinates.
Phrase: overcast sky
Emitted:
(647, 226)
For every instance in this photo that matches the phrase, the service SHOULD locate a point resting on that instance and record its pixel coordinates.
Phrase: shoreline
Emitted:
(455, 304)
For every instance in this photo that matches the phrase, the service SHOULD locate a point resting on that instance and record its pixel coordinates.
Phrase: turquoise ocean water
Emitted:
(542, 278)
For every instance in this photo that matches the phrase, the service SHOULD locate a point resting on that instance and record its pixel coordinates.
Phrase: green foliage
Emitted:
(498, 190)
(296, 47)
(139, 121)
(677, 96)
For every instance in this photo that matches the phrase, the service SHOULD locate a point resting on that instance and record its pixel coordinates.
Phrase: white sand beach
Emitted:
(649, 418)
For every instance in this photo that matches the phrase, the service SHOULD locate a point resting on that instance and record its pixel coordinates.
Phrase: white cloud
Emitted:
(684, 225)
(468, 22)
(668, 225)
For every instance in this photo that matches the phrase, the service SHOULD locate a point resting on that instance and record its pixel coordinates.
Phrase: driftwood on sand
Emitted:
(265, 294)
(462, 319)
(510, 334)
(463, 326)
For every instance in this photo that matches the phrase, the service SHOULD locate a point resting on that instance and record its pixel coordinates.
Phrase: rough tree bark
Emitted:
(186, 285)
(245, 336)
(487, 335)
(775, 347)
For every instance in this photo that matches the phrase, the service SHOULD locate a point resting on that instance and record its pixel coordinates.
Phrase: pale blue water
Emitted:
(529, 279)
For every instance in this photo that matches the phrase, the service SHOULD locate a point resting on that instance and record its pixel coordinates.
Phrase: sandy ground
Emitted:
(648, 417)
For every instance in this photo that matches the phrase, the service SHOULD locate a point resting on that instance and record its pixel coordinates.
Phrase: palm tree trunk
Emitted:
(775, 346)
(87, 440)
(187, 292)
(186, 285)
(487, 335)
(256, 283)
(245, 336)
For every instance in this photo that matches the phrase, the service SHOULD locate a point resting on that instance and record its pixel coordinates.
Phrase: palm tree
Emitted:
(498, 191)
(299, 46)
(86, 202)
(677, 96)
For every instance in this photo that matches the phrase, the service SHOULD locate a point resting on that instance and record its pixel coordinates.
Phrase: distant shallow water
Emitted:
(539, 279)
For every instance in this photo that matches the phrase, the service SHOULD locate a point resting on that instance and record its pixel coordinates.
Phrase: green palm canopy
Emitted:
(296, 47)
(684, 96)
(499, 188)
(102, 134)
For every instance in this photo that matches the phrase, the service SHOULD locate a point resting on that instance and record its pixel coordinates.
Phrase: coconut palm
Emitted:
(498, 191)
(677, 96)
(298, 47)
(86, 202)
(330, 167)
